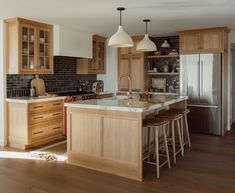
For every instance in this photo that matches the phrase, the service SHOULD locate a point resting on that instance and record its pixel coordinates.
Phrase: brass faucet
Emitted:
(129, 94)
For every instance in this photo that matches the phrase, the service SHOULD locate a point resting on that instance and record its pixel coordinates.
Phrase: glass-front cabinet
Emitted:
(33, 52)
(98, 64)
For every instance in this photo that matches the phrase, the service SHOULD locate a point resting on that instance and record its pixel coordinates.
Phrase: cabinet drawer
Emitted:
(47, 130)
(37, 107)
(46, 116)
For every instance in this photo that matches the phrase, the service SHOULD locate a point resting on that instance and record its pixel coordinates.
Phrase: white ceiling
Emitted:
(101, 17)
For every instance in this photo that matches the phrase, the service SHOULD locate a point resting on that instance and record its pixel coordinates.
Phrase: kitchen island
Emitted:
(107, 135)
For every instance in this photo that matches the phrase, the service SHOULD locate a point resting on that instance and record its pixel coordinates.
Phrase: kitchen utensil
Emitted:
(32, 91)
(39, 85)
(95, 86)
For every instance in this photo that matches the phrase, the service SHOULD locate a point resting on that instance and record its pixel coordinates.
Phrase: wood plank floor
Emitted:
(208, 167)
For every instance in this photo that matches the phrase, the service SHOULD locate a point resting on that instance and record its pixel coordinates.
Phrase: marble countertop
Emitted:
(130, 105)
(34, 99)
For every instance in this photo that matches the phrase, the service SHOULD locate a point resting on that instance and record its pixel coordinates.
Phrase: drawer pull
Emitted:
(56, 104)
(57, 114)
(40, 117)
(37, 107)
(35, 133)
(56, 128)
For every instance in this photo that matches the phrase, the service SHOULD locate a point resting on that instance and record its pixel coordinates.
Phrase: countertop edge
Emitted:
(127, 109)
(33, 100)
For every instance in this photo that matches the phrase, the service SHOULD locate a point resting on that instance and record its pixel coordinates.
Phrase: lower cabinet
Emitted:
(30, 125)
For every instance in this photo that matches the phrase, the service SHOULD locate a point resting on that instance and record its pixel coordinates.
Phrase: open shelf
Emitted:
(164, 73)
(165, 56)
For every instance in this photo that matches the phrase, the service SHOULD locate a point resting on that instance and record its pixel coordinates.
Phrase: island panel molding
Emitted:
(108, 141)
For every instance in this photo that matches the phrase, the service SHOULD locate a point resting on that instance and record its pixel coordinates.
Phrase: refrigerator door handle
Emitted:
(204, 106)
(201, 79)
(198, 79)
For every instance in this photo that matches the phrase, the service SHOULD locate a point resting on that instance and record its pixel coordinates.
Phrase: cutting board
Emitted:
(39, 85)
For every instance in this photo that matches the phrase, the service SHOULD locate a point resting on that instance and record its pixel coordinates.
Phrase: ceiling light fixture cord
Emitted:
(146, 27)
(120, 17)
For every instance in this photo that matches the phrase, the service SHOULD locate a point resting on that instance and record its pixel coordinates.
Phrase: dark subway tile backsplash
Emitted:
(65, 78)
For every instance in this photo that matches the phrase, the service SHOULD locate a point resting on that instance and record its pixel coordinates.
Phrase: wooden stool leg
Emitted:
(179, 133)
(157, 152)
(166, 145)
(182, 130)
(148, 130)
(173, 139)
(187, 131)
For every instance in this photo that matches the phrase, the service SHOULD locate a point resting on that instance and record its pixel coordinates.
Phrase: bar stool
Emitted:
(175, 118)
(159, 125)
(184, 125)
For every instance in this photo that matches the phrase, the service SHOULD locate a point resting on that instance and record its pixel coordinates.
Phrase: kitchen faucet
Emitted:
(129, 94)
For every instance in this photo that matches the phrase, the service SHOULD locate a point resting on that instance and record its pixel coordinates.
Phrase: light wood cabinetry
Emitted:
(202, 40)
(34, 124)
(96, 65)
(108, 141)
(29, 47)
(131, 63)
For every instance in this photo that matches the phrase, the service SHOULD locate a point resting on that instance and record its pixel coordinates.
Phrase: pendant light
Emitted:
(165, 44)
(120, 39)
(146, 45)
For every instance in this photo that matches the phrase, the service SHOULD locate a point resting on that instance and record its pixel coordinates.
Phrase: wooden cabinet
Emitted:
(211, 40)
(34, 124)
(202, 40)
(189, 42)
(96, 65)
(29, 47)
(131, 63)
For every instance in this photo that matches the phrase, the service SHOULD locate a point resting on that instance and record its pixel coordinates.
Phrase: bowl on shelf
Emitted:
(158, 53)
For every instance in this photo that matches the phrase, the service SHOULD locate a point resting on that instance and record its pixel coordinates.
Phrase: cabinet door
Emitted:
(137, 72)
(123, 70)
(211, 41)
(45, 57)
(123, 51)
(98, 64)
(27, 48)
(189, 42)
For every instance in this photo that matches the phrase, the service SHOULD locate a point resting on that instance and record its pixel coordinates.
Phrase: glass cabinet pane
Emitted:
(28, 47)
(44, 49)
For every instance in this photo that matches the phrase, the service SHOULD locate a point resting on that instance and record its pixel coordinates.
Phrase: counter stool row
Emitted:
(171, 129)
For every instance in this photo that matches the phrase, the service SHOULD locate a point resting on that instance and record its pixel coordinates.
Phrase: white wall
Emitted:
(73, 42)
(2, 86)
(110, 78)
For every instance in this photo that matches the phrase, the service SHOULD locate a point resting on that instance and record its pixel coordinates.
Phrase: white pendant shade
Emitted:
(120, 39)
(146, 45)
(165, 44)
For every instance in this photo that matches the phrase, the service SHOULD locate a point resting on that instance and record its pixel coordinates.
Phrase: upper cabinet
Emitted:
(203, 40)
(96, 65)
(29, 47)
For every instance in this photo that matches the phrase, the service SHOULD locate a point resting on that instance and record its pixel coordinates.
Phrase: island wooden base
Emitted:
(107, 141)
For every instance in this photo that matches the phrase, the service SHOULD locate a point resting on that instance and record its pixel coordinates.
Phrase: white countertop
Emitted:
(34, 99)
(133, 105)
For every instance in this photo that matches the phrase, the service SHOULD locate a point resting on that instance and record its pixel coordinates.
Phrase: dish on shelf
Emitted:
(159, 84)
(158, 53)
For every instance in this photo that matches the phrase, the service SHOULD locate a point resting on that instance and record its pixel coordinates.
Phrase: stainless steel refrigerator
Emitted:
(200, 80)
